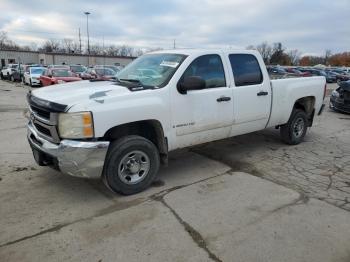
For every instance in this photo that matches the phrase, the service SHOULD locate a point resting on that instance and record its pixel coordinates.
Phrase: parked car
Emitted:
(340, 98)
(17, 74)
(116, 69)
(59, 66)
(276, 70)
(305, 71)
(77, 69)
(7, 71)
(201, 96)
(340, 76)
(297, 72)
(99, 73)
(32, 75)
(54, 76)
(329, 77)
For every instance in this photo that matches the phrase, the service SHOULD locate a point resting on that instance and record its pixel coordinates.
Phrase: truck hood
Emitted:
(79, 92)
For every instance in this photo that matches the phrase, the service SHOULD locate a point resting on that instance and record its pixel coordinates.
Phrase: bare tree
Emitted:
(328, 54)
(96, 49)
(70, 46)
(51, 46)
(294, 56)
(3, 39)
(126, 50)
(266, 51)
(6, 43)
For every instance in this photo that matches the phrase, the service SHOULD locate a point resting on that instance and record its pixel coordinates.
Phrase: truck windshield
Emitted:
(152, 70)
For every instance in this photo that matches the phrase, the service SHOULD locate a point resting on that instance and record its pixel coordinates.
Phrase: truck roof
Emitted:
(195, 51)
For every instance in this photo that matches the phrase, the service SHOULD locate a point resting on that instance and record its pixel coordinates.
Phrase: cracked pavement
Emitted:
(319, 167)
(248, 198)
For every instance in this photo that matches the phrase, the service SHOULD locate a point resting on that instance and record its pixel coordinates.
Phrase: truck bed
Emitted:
(286, 91)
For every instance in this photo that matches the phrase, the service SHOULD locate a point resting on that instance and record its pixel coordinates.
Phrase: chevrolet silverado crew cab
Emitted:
(121, 130)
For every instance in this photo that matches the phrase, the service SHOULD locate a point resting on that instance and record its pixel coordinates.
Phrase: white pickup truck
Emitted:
(121, 130)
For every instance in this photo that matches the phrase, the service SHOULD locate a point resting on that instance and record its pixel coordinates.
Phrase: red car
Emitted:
(57, 76)
(297, 72)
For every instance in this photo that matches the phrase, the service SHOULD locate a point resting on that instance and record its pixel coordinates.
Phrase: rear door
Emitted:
(251, 92)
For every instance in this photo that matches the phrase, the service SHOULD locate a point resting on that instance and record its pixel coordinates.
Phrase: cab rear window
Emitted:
(246, 69)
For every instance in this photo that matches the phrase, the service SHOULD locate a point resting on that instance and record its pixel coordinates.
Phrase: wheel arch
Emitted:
(307, 104)
(150, 129)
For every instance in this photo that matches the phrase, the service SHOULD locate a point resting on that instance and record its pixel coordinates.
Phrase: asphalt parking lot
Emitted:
(248, 198)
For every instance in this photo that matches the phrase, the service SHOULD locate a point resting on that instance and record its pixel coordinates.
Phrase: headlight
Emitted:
(60, 81)
(335, 93)
(75, 125)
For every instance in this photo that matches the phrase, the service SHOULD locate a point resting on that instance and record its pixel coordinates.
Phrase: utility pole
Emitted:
(79, 41)
(87, 30)
(88, 38)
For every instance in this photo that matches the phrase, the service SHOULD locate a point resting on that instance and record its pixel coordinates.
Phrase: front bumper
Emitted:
(35, 81)
(339, 106)
(75, 158)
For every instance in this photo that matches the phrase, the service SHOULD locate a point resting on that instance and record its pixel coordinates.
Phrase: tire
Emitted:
(122, 171)
(1, 76)
(294, 131)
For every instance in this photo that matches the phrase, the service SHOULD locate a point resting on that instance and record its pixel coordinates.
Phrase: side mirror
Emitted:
(191, 83)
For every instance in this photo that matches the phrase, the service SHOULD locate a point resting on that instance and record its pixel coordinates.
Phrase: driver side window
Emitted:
(209, 68)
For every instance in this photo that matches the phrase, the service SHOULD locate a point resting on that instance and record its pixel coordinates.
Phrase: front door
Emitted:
(207, 114)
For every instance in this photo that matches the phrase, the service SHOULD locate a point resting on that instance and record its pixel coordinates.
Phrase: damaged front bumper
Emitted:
(75, 158)
(339, 105)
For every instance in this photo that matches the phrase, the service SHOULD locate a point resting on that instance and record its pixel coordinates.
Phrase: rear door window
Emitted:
(246, 69)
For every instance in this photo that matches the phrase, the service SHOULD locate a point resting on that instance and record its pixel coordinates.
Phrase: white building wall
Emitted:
(47, 59)
(18, 57)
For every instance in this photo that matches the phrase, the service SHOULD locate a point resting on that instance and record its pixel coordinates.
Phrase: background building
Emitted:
(28, 57)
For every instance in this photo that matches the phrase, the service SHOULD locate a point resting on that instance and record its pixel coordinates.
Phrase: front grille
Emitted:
(42, 129)
(44, 117)
(40, 112)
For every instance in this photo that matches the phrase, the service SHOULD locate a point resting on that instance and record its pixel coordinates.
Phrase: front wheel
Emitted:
(294, 131)
(132, 163)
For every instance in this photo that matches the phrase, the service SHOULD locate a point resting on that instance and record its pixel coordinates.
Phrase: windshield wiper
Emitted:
(136, 84)
(130, 80)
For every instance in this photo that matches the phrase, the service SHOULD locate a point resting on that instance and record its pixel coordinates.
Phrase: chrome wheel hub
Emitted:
(133, 167)
(298, 127)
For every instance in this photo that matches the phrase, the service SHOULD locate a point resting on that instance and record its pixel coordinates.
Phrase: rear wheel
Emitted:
(294, 131)
(131, 165)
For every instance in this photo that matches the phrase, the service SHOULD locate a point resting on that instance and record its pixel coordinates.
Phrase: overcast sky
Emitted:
(311, 26)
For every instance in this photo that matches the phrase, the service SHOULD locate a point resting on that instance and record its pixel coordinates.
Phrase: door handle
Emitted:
(223, 99)
(262, 93)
